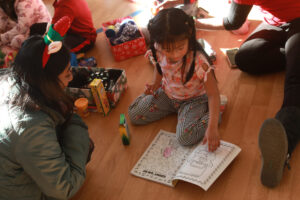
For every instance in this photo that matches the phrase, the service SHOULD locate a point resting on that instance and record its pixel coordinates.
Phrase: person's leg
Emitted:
(192, 121)
(148, 108)
(289, 114)
(77, 44)
(263, 51)
(279, 136)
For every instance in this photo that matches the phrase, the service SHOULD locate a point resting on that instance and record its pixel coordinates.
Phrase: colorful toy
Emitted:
(100, 97)
(8, 59)
(110, 31)
(122, 32)
(73, 62)
(88, 62)
(124, 131)
(81, 105)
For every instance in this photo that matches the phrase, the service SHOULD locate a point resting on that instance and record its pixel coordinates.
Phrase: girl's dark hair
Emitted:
(8, 6)
(40, 86)
(171, 25)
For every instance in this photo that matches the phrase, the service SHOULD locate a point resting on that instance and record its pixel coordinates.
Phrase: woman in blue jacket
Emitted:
(44, 147)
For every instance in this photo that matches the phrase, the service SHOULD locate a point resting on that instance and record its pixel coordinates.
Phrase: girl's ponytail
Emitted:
(153, 51)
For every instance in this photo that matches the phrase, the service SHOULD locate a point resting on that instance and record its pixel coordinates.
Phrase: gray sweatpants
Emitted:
(192, 114)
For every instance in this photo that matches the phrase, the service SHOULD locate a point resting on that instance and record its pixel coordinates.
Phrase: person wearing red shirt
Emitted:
(273, 46)
(82, 35)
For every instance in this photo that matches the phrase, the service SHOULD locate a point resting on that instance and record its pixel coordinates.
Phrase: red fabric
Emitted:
(276, 12)
(77, 48)
(80, 16)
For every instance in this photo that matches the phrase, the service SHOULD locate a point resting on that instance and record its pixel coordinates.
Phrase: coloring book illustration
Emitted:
(166, 161)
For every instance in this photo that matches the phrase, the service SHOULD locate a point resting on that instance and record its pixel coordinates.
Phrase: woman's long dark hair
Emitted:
(8, 6)
(171, 25)
(40, 86)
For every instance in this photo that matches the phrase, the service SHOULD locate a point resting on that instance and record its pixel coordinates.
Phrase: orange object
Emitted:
(82, 107)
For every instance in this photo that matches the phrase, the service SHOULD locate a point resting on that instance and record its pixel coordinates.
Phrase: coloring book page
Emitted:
(162, 159)
(166, 161)
(202, 167)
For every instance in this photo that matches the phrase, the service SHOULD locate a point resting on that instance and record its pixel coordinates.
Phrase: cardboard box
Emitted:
(113, 93)
(100, 97)
(127, 49)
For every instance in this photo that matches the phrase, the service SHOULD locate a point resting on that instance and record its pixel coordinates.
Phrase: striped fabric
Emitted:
(192, 114)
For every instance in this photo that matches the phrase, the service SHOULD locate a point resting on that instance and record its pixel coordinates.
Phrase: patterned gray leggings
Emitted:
(192, 114)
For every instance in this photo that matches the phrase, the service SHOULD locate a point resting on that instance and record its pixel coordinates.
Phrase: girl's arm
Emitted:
(237, 16)
(155, 84)
(212, 134)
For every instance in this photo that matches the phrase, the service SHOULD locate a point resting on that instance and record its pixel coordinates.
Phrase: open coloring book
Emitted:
(166, 161)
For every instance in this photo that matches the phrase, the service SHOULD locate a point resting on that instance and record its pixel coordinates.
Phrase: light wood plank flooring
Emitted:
(251, 99)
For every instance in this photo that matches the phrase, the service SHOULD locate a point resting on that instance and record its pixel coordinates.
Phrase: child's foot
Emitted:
(273, 145)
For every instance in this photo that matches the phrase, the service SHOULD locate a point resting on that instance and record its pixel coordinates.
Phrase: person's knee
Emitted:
(188, 136)
(245, 62)
(241, 61)
(132, 116)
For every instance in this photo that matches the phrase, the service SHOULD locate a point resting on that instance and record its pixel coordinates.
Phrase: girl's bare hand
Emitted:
(212, 139)
(151, 88)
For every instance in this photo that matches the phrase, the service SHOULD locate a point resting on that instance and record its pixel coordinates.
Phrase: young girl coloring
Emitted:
(183, 82)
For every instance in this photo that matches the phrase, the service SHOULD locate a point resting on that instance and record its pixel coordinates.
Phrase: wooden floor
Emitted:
(251, 99)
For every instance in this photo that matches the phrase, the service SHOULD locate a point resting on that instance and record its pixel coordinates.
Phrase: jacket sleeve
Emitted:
(238, 14)
(58, 171)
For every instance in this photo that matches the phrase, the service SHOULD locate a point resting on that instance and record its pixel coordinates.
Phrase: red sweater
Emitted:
(80, 15)
(276, 11)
